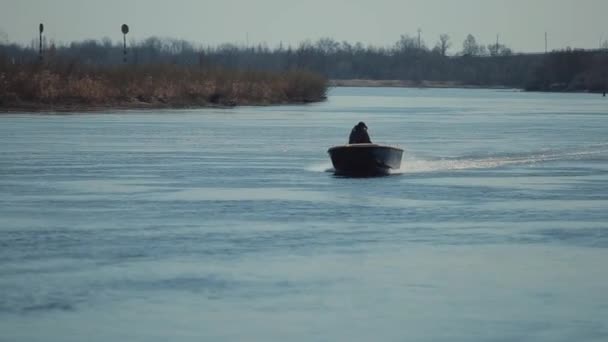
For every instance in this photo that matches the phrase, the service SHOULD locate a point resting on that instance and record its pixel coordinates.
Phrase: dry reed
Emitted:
(66, 85)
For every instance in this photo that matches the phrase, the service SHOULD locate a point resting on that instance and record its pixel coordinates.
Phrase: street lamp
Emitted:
(125, 30)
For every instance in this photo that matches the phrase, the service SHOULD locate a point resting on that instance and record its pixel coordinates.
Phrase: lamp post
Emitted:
(125, 30)
(40, 29)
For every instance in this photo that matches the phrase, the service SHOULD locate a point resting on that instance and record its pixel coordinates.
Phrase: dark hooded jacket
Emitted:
(359, 135)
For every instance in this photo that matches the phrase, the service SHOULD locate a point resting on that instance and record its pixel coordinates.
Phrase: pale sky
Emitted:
(520, 23)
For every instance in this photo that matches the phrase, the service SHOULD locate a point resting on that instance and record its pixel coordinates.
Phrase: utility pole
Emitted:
(545, 43)
(40, 29)
(419, 43)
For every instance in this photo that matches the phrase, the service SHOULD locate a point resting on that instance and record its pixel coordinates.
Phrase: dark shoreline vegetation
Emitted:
(174, 73)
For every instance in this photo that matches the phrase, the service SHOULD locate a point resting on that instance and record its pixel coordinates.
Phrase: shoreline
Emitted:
(34, 107)
(31, 107)
(409, 84)
(362, 83)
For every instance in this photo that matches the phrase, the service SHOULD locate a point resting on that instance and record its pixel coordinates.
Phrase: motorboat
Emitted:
(365, 160)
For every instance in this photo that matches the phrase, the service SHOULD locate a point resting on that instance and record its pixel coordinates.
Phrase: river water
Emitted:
(225, 225)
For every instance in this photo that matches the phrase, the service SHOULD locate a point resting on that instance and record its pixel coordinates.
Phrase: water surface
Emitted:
(224, 225)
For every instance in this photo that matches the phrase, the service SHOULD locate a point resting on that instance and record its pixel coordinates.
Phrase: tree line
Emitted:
(409, 58)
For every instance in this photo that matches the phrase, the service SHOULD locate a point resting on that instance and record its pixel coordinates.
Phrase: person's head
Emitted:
(361, 125)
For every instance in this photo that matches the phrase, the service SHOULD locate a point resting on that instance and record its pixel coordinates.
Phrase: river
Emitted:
(227, 224)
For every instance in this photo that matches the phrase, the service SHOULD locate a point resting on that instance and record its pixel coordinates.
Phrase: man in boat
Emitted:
(358, 135)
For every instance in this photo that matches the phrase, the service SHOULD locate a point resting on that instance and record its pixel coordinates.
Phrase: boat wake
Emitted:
(321, 167)
(413, 164)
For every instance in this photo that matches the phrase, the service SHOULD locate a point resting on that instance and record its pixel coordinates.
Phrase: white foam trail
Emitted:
(419, 166)
(321, 167)
(413, 165)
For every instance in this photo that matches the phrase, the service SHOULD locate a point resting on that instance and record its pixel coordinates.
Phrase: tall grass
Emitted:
(71, 84)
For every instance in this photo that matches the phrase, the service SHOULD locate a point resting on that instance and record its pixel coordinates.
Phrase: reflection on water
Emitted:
(177, 224)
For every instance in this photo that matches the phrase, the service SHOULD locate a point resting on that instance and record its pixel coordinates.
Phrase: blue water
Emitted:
(225, 225)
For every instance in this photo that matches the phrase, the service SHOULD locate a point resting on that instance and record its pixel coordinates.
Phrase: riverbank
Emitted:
(407, 84)
(451, 84)
(70, 87)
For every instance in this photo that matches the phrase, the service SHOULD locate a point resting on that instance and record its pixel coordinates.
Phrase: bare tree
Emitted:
(505, 51)
(443, 44)
(327, 45)
(493, 49)
(470, 46)
(3, 37)
(499, 50)
(406, 43)
(106, 42)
